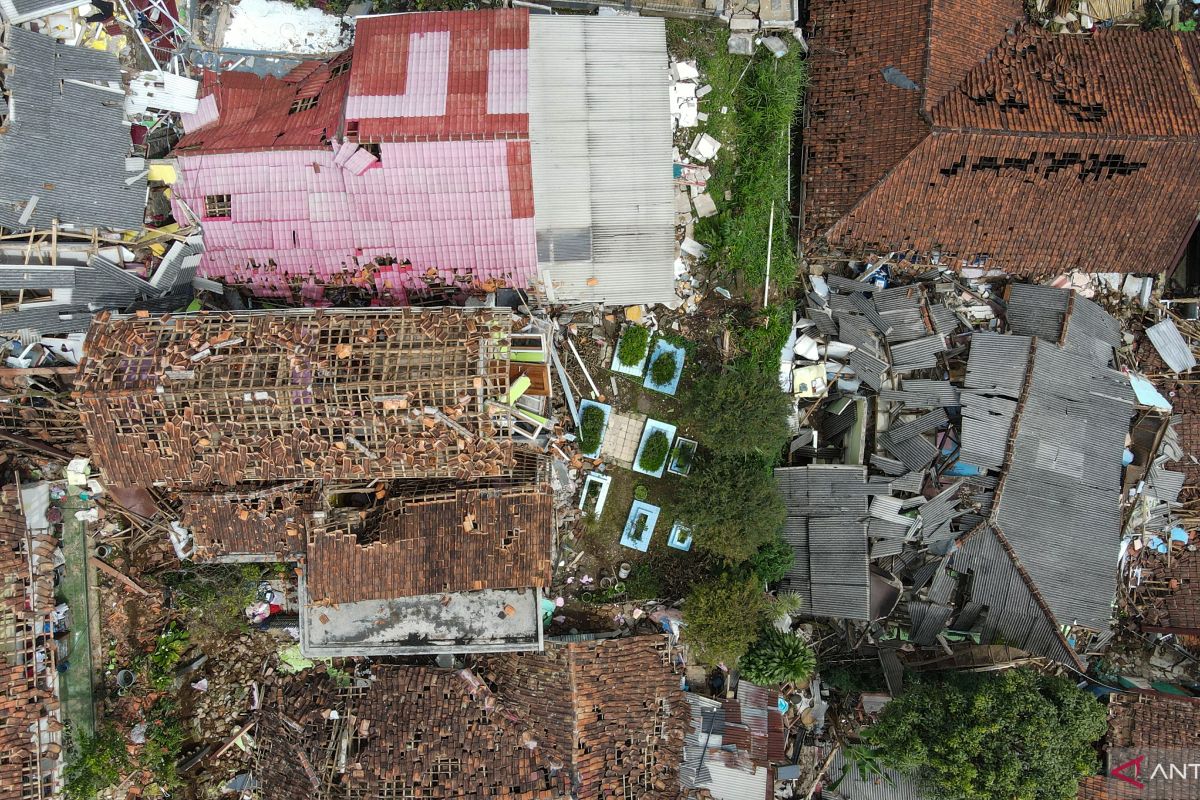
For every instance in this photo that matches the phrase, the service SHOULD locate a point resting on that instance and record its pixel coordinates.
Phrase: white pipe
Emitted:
(770, 241)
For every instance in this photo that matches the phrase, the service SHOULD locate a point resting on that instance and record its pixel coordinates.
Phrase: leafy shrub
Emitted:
(633, 345)
(778, 657)
(591, 425)
(720, 619)
(96, 765)
(639, 528)
(214, 595)
(662, 371)
(773, 560)
(165, 736)
(170, 646)
(654, 452)
(685, 451)
(640, 492)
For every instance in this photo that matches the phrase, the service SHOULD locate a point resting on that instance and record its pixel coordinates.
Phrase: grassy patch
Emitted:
(761, 95)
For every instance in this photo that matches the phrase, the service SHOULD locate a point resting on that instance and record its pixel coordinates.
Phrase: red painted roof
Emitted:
(254, 110)
(381, 61)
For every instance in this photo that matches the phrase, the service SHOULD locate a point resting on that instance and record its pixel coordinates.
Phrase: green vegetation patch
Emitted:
(654, 452)
(633, 346)
(590, 427)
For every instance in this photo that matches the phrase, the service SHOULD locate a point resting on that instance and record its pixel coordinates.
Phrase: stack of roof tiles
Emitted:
(952, 128)
(28, 704)
(612, 707)
(204, 399)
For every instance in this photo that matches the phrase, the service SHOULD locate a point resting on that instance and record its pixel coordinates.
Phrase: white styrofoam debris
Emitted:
(684, 71)
(777, 46)
(277, 26)
(704, 147)
(705, 207)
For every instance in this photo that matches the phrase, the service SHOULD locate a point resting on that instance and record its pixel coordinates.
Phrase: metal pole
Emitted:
(770, 241)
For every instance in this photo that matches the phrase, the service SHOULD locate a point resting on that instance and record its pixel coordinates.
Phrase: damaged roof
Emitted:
(409, 732)
(612, 707)
(454, 541)
(1149, 724)
(64, 149)
(992, 472)
(1014, 130)
(224, 398)
(26, 705)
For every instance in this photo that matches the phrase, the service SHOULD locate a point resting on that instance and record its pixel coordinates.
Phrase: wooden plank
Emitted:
(115, 573)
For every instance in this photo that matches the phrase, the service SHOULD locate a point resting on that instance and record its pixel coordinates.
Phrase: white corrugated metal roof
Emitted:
(600, 142)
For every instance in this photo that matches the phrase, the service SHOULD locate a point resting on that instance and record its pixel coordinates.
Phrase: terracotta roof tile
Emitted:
(221, 399)
(422, 545)
(413, 732)
(1143, 721)
(268, 522)
(1034, 204)
(615, 705)
(1047, 152)
(24, 702)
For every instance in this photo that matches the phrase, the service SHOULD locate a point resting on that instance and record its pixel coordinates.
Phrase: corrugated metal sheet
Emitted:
(1171, 346)
(922, 424)
(67, 139)
(826, 526)
(918, 354)
(18, 11)
(1002, 607)
(1059, 507)
(1035, 310)
(841, 283)
(600, 140)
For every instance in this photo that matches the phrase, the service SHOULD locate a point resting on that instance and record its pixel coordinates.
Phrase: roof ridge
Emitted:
(1036, 594)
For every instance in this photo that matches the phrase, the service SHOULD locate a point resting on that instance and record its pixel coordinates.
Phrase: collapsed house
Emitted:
(530, 727)
(64, 139)
(960, 134)
(30, 719)
(375, 448)
(990, 510)
(445, 153)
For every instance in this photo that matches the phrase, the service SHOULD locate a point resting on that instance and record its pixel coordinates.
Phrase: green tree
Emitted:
(1017, 735)
(773, 560)
(777, 657)
(720, 618)
(733, 506)
(740, 411)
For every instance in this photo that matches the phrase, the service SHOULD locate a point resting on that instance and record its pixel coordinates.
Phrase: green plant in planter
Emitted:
(639, 528)
(633, 345)
(654, 452)
(640, 492)
(778, 657)
(685, 451)
(591, 424)
(662, 371)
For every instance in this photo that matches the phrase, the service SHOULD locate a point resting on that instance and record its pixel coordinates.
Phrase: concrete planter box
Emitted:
(607, 410)
(637, 510)
(660, 347)
(653, 425)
